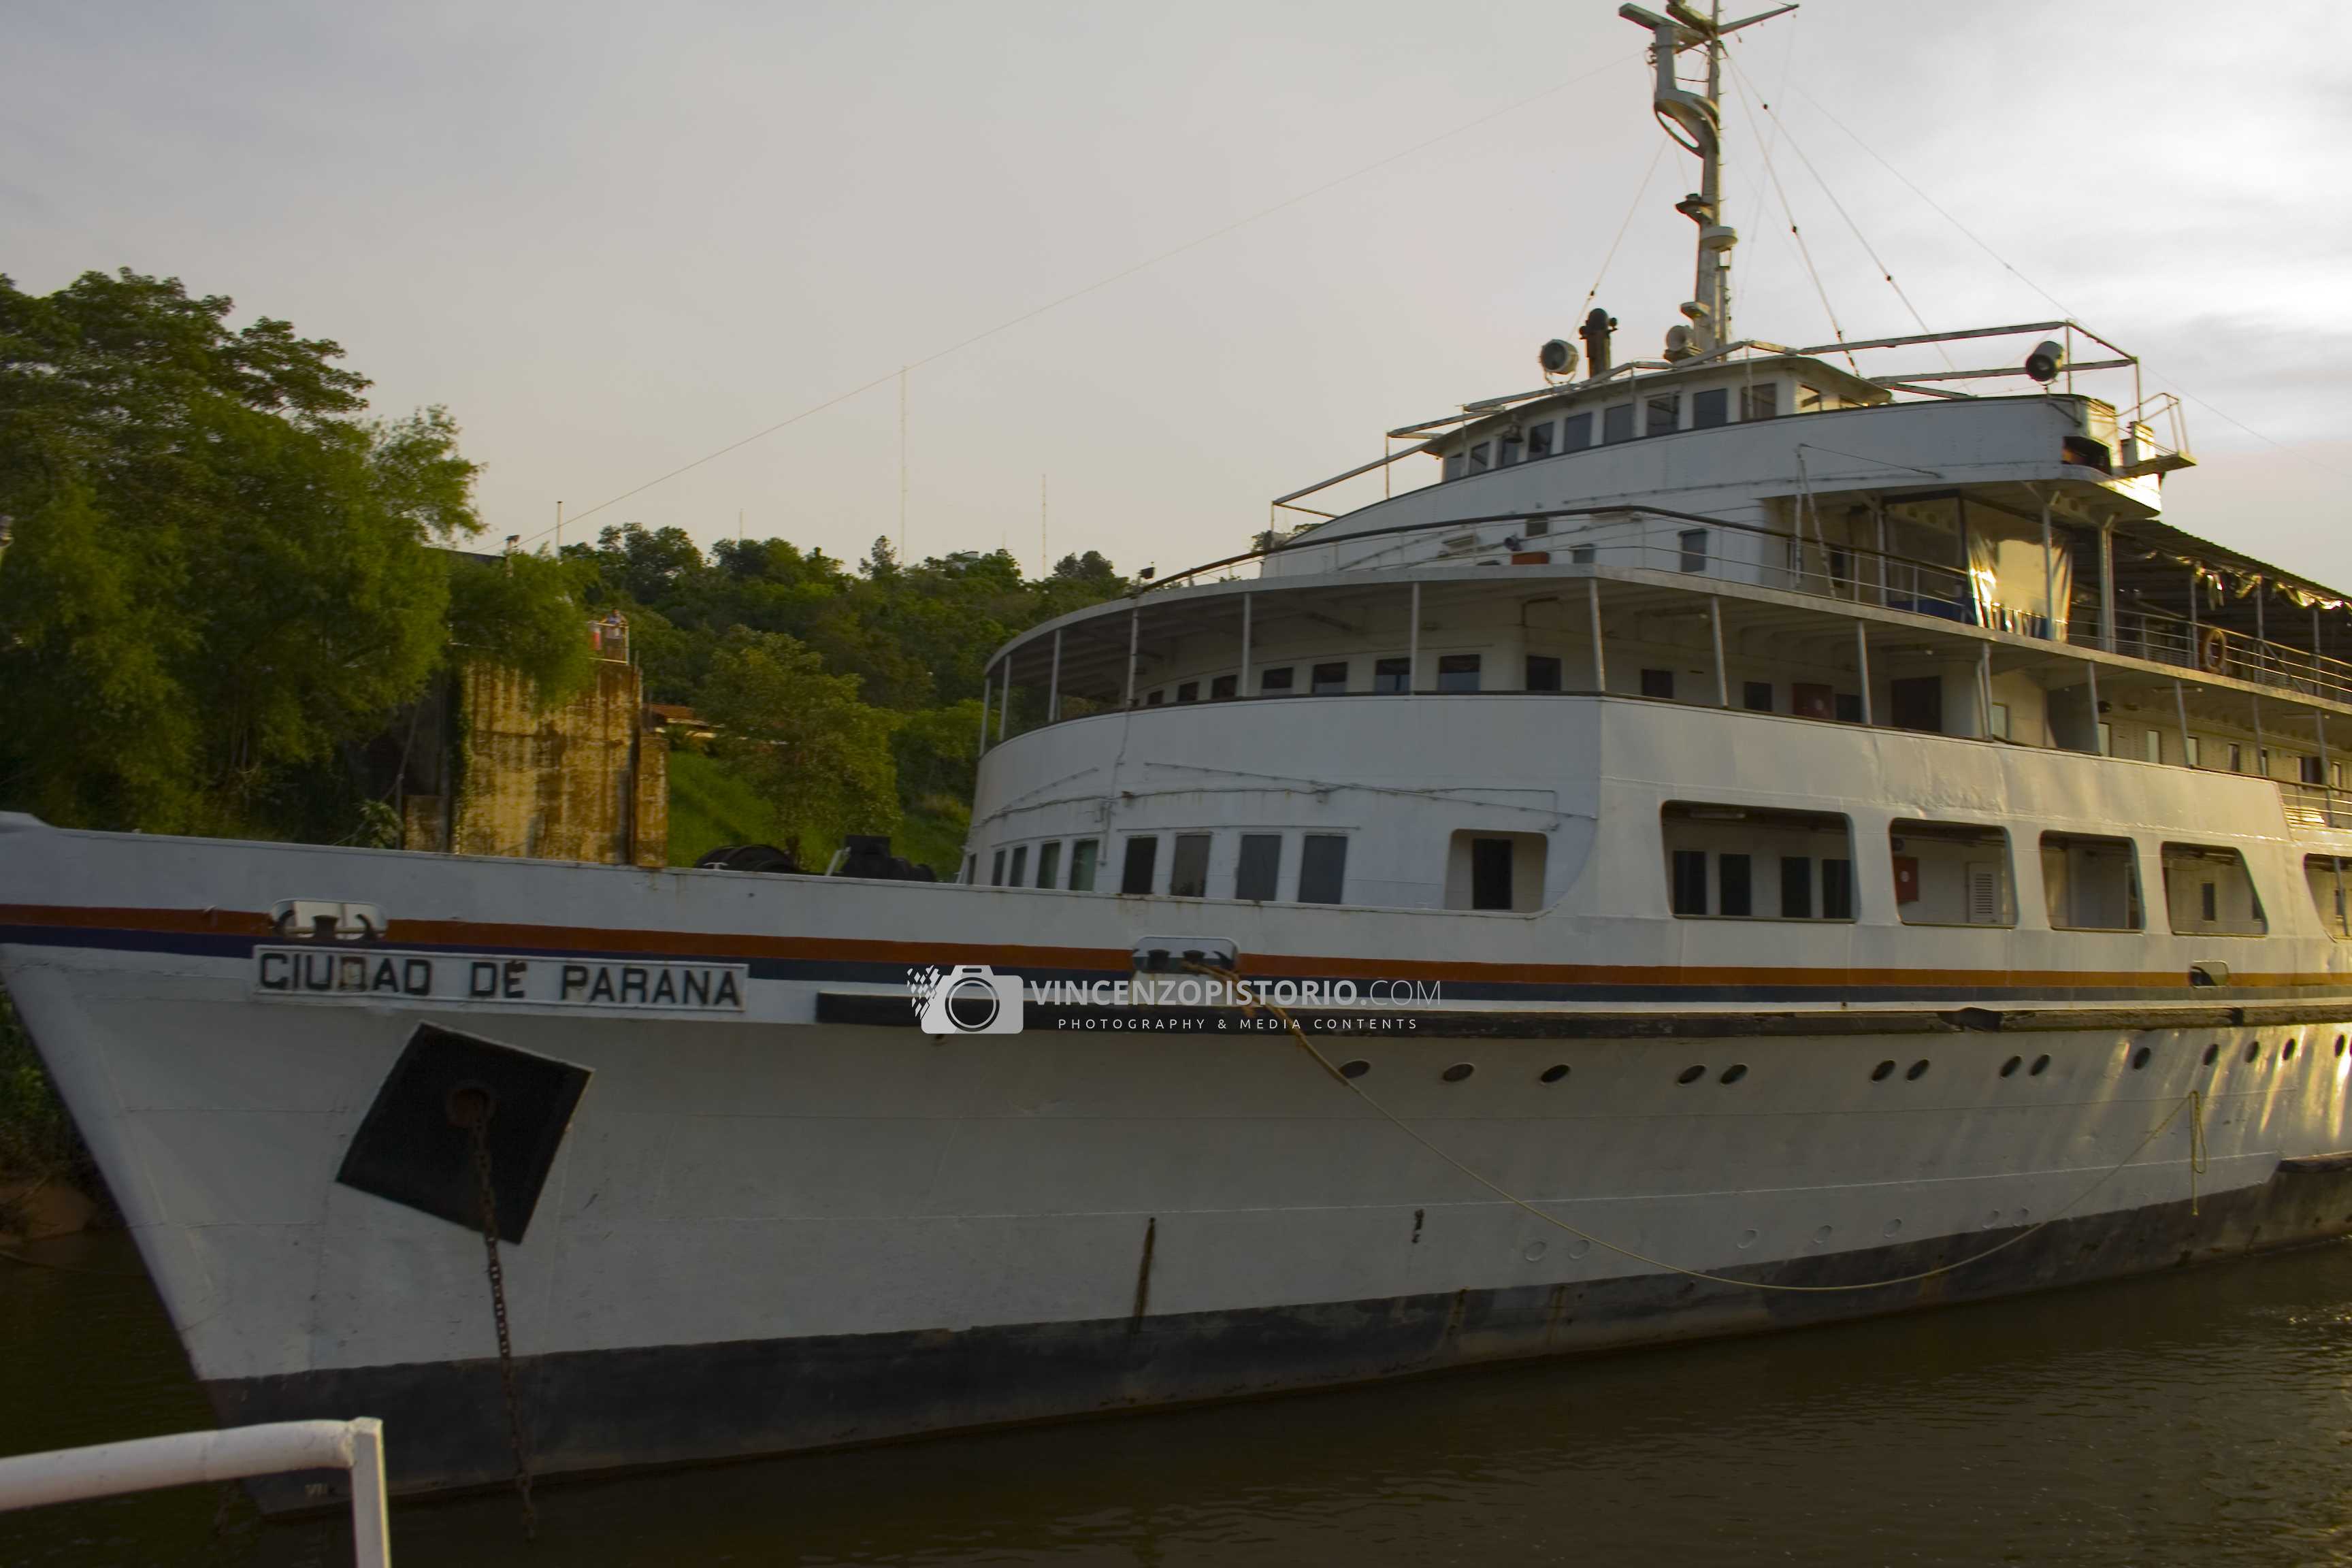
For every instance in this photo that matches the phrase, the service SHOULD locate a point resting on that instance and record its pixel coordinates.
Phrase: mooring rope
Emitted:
(2194, 1101)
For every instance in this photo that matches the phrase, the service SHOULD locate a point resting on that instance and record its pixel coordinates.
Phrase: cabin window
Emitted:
(1275, 682)
(1658, 683)
(1322, 868)
(1810, 400)
(1190, 692)
(1452, 465)
(1762, 401)
(971, 869)
(1713, 854)
(1392, 675)
(2208, 892)
(2000, 727)
(1258, 873)
(1710, 408)
(1576, 432)
(1479, 457)
(2306, 767)
(1580, 554)
(1616, 424)
(1049, 864)
(1019, 873)
(1917, 703)
(1662, 413)
(1188, 873)
(1849, 708)
(1756, 696)
(1154, 698)
(1543, 672)
(1537, 527)
(1539, 440)
(1331, 680)
(1457, 671)
(2192, 749)
(1508, 451)
(1495, 872)
(2237, 758)
(2106, 740)
(2090, 883)
(1951, 874)
(1693, 544)
(1084, 854)
(2326, 876)
(1222, 687)
(1142, 861)
(996, 870)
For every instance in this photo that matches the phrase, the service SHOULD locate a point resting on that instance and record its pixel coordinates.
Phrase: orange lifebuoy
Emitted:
(2213, 652)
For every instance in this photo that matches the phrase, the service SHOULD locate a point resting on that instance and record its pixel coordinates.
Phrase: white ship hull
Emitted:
(761, 1232)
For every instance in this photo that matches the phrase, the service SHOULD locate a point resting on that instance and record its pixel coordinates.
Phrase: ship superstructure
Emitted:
(1772, 834)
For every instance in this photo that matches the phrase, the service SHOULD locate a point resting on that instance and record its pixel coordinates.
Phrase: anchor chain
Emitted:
(470, 1107)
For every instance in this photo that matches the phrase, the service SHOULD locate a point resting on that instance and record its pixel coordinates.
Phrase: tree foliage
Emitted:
(819, 755)
(220, 577)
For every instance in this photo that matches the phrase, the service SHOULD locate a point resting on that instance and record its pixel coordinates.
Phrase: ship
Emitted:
(1767, 834)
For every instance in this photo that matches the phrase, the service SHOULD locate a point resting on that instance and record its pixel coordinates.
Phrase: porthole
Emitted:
(1918, 1070)
(1354, 1069)
(1691, 1074)
(1733, 1073)
(2139, 1057)
(2008, 1069)
(1878, 1074)
(2286, 1052)
(2212, 1055)
(1554, 1073)
(2254, 1049)
(1458, 1072)
(2041, 1065)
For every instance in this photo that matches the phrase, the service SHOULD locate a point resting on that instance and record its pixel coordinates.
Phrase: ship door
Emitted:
(1918, 703)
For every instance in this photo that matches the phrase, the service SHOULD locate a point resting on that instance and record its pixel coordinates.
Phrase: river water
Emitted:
(2199, 1417)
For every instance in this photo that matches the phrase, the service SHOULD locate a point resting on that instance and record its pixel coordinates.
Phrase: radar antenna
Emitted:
(1695, 120)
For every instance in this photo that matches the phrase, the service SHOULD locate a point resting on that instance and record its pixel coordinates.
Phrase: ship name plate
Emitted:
(378, 974)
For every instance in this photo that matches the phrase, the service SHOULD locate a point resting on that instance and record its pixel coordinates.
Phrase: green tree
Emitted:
(819, 756)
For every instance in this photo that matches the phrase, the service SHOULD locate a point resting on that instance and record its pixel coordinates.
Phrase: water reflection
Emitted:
(2199, 1416)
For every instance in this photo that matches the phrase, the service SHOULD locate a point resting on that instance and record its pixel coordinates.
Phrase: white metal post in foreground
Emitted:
(108, 1470)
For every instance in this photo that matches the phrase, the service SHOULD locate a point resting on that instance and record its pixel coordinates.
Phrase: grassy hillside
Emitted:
(709, 807)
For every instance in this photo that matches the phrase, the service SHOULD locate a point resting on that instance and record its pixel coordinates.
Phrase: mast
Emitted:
(1695, 119)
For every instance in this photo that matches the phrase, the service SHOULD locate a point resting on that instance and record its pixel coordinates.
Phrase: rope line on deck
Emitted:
(2193, 1101)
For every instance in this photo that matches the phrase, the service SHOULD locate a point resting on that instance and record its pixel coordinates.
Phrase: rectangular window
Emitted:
(1508, 451)
(2307, 767)
(1019, 873)
(1188, 873)
(1322, 868)
(1848, 707)
(2237, 758)
(1084, 854)
(1689, 876)
(2195, 745)
(1539, 440)
(1452, 465)
(1392, 675)
(1710, 408)
(1693, 542)
(1580, 554)
(1756, 696)
(1331, 680)
(2208, 892)
(1796, 888)
(1657, 683)
(1837, 890)
(1951, 874)
(1662, 413)
(1999, 726)
(2090, 883)
(1222, 687)
(1276, 682)
(2327, 876)
(1479, 455)
(996, 870)
(1733, 891)
(1457, 671)
(1734, 842)
(1809, 399)
(1153, 699)
(1616, 424)
(1759, 402)
(971, 869)
(1538, 527)
(2106, 740)
(1576, 432)
(1543, 672)
(1142, 861)
(1490, 873)
(1049, 864)
(1259, 872)
(1190, 692)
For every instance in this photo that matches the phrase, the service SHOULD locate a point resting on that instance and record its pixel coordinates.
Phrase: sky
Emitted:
(1152, 265)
